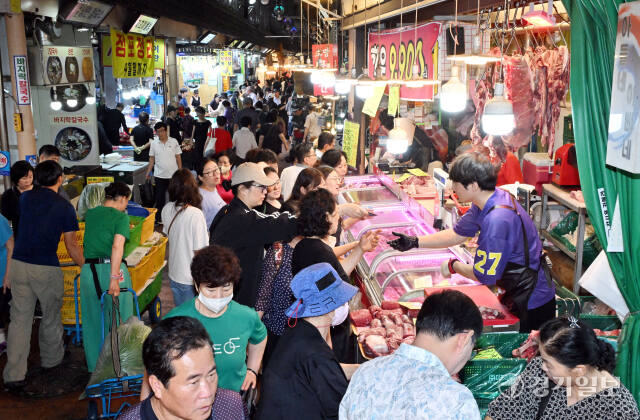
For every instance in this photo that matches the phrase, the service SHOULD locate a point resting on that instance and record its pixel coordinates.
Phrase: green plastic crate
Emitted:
(504, 343)
(134, 235)
(488, 378)
(567, 302)
(601, 322)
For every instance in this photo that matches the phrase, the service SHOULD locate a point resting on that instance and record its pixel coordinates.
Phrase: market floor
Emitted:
(65, 407)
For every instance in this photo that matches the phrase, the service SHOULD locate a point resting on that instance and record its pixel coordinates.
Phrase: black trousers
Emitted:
(534, 318)
(162, 185)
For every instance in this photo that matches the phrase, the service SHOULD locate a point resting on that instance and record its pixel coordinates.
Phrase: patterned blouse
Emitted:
(522, 400)
(410, 384)
(274, 290)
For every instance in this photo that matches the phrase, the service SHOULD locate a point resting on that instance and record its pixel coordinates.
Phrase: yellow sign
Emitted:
(371, 104)
(106, 51)
(15, 6)
(158, 53)
(403, 177)
(131, 55)
(417, 172)
(394, 99)
(17, 122)
(99, 179)
(226, 62)
(350, 135)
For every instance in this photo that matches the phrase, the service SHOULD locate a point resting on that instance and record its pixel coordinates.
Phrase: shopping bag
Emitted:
(147, 194)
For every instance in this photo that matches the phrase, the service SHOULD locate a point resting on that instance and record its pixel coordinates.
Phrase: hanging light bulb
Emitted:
(453, 97)
(72, 102)
(342, 86)
(398, 140)
(316, 77)
(328, 79)
(364, 90)
(56, 105)
(252, 1)
(498, 119)
(90, 100)
(264, 2)
(126, 95)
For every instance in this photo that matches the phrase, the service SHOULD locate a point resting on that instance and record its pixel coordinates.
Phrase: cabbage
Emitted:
(92, 196)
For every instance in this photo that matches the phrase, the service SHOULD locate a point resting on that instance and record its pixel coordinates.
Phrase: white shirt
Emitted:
(288, 179)
(165, 157)
(188, 234)
(243, 141)
(277, 101)
(253, 97)
(312, 124)
(211, 204)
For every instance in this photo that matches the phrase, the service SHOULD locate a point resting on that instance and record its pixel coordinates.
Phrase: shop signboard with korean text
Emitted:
(5, 163)
(325, 56)
(226, 63)
(350, 135)
(21, 71)
(623, 146)
(394, 52)
(64, 65)
(158, 52)
(131, 55)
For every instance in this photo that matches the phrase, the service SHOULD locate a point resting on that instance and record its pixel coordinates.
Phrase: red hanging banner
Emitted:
(395, 52)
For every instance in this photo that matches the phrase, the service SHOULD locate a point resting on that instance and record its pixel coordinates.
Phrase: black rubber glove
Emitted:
(404, 242)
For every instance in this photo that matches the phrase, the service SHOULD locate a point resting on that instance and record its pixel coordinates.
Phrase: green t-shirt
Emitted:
(238, 326)
(101, 225)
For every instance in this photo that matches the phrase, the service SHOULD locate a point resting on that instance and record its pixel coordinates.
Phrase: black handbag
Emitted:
(147, 194)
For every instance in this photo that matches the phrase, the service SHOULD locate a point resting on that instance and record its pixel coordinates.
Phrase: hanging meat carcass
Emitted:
(519, 90)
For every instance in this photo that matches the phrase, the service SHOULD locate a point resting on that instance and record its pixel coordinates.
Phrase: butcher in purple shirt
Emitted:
(509, 253)
(182, 375)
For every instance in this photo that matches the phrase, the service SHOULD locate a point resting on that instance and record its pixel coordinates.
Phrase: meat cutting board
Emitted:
(482, 296)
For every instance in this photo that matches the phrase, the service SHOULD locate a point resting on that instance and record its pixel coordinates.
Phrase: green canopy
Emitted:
(593, 35)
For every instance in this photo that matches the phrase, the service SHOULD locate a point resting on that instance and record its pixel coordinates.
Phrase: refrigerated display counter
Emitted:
(370, 190)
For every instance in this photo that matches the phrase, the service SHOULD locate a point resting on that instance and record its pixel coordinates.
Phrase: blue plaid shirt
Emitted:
(412, 384)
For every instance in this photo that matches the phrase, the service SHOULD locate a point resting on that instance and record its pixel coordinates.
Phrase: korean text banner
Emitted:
(325, 56)
(395, 52)
(132, 55)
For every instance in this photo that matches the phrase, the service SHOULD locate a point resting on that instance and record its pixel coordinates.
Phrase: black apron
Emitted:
(519, 281)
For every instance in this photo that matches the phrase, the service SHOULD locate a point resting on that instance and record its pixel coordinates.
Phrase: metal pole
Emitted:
(4, 134)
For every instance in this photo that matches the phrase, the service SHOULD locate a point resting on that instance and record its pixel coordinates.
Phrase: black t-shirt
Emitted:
(142, 134)
(200, 134)
(174, 129)
(272, 139)
(311, 251)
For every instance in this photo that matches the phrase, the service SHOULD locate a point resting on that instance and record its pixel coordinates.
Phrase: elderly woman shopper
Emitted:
(21, 180)
(572, 379)
(318, 220)
(106, 231)
(209, 179)
(185, 225)
(247, 231)
(238, 335)
(336, 159)
(304, 378)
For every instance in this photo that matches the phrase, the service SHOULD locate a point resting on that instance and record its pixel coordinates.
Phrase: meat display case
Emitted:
(370, 190)
(388, 274)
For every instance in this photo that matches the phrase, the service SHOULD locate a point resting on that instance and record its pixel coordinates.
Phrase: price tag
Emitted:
(417, 172)
(423, 282)
(403, 177)
(17, 122)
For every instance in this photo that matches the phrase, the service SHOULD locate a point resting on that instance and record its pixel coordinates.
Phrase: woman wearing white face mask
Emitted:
(237, 333)
(304, 378)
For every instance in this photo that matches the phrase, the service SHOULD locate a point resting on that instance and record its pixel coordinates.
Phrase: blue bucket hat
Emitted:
(318, 290)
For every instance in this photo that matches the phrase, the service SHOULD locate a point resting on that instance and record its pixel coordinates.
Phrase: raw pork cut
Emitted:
(361, 317)
(517, 81)
(529, 349)
(375, 346)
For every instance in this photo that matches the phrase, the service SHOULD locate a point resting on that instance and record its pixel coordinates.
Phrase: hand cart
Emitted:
(114, 388)
(148, 299)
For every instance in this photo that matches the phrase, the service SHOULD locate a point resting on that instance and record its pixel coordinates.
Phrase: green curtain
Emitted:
(593, 33)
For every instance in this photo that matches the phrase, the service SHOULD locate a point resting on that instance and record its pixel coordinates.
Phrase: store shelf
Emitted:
(563, 197)
(558, 244)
